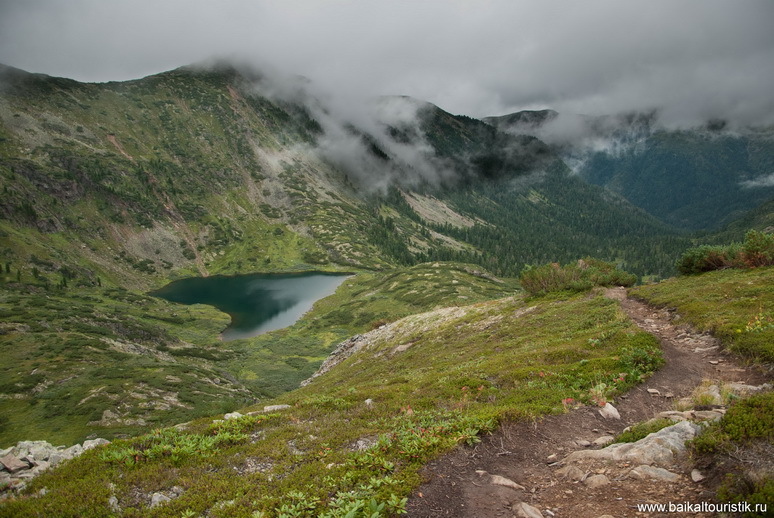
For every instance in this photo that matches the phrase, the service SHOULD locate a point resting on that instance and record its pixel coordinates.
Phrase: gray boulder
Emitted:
(660, 448)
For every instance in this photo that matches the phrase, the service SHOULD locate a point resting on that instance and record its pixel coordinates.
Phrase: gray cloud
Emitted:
(692, 60)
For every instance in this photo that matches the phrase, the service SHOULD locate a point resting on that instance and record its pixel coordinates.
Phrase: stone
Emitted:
(41, 465)
(363, 444)
(571, 472)
(596, 481)
(675, 415)
(73, 451)
(714, 391)
(524, 510)
(654, 392)
(56, 458)
(158, 499)
(369, 402)
(13, 464)
(113, 504)
(645, 471)
(660, 448)
(708, 415)
(42, 451)
(552, 458)
(603, 441)
(93, 443)
(609, 412)
(743, 388)
(583, 443)
(274, 408)
(232, 415)
(696, 476)
(498, 480)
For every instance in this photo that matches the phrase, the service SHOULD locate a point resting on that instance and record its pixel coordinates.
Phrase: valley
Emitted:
(425, 219)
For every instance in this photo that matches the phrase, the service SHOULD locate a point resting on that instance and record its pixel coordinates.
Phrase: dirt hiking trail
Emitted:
(465, 482)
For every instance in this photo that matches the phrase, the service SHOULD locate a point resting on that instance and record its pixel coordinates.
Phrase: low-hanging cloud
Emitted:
(359, 133)
(691, 61)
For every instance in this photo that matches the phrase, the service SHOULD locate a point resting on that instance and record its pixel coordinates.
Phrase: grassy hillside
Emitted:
(416, 388)
(735, 305)
(420, 386)
(111, 362)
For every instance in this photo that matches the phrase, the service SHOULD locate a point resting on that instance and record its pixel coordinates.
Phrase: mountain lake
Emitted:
(258, 302)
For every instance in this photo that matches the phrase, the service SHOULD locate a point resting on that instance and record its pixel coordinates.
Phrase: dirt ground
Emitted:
(525, 451)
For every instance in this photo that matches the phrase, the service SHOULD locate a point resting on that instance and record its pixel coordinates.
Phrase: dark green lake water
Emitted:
(258, 303)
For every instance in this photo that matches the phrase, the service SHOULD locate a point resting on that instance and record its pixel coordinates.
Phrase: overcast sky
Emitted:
(693, 59)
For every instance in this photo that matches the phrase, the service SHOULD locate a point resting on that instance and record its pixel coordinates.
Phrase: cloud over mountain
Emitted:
(693, 60)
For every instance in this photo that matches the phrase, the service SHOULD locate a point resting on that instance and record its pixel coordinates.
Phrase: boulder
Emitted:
(524, 510)
(13, 464)
(609, 412)
(274, 408)
(73, 451)
(659, 448)
(603, 441)
(93, 443)
(56, 458)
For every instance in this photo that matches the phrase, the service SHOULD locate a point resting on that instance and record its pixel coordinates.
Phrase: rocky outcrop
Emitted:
(660, 448)
(28, 459)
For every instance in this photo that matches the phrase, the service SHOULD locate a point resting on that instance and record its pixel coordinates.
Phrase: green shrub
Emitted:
(580, 276)
(740, 488)
(757, 250)
(642, 430)
(748, 419)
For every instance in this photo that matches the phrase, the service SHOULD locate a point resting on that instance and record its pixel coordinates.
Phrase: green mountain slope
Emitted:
(205, 170)
(693, 179)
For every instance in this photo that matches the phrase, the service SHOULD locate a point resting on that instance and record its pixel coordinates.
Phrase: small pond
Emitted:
(259, 302)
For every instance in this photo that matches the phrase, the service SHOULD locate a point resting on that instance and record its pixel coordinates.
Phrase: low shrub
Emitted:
(757, 250)
(748, 419)
(579, 276)
(642, 430)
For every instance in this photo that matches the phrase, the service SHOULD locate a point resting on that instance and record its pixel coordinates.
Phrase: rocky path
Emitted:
(523, 470)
